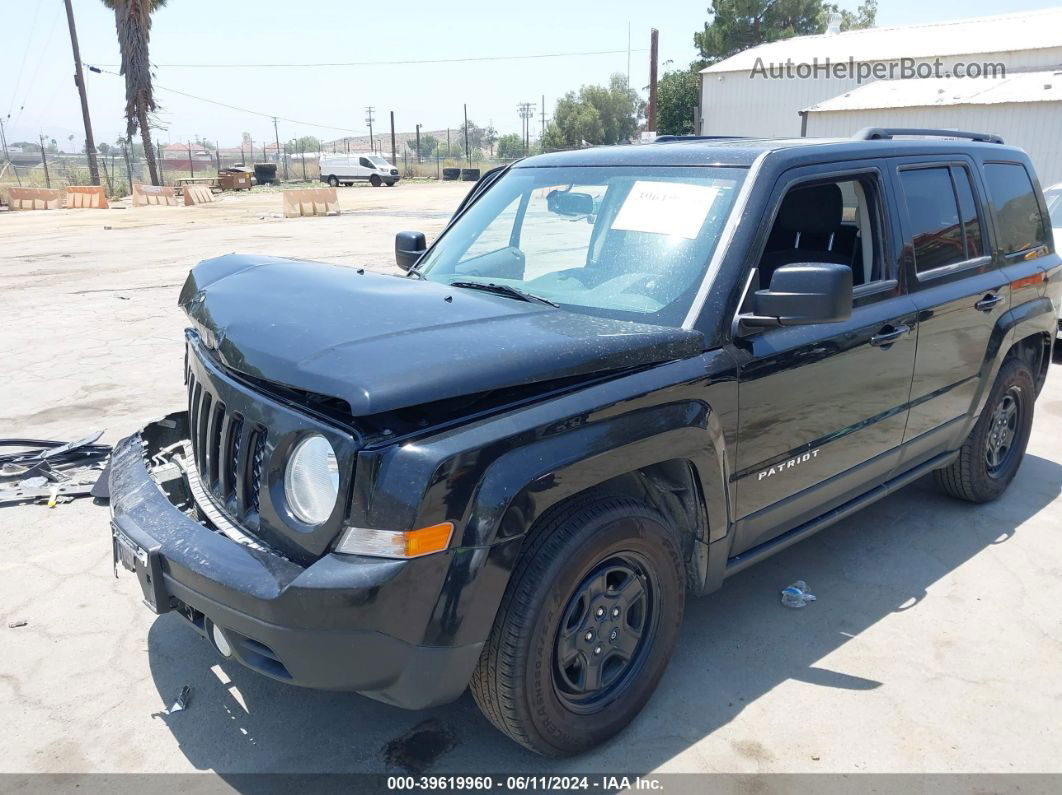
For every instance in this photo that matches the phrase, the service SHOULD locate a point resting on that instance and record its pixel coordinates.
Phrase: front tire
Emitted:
(586, 626)
(374, 180)
(333, 181)
(989, 458)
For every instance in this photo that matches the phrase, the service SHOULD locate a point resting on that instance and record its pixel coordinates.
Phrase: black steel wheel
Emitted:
(989, 458)
(375, 181)
(1004, 425)
(606, 629)
(586, 626)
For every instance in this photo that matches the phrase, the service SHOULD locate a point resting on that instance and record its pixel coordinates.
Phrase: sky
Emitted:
(38, 95)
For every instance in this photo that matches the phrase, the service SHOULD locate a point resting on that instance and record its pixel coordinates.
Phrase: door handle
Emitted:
(988, 303)
(888, 335)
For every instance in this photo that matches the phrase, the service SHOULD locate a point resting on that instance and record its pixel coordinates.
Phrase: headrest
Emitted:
(814, 210)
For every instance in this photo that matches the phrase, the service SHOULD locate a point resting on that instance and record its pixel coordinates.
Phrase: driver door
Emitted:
(823, 406)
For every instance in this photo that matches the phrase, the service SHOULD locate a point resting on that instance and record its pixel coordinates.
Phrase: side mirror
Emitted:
(570, 204)
(804, 292)
(408, 248)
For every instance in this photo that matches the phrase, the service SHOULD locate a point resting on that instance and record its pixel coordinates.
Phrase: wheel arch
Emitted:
(674, 460)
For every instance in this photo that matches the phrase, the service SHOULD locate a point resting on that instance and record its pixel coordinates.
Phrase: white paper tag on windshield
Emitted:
(666, 208)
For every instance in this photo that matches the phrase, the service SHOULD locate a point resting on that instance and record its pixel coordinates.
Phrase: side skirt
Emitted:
(768, 548)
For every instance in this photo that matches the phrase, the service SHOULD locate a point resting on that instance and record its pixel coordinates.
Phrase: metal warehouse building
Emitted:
(1025, 108)
(739, 98)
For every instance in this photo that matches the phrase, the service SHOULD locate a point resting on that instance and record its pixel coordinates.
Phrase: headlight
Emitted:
(311, 481)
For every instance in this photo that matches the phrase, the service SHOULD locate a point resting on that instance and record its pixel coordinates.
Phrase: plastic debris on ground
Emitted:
(181, 703)
(16, 624)
(52, 472)
(797, 595)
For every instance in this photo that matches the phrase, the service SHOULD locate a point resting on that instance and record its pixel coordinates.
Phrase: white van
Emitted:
(347, 169)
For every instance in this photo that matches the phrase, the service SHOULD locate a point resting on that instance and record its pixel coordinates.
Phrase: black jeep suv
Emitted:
(619, 376)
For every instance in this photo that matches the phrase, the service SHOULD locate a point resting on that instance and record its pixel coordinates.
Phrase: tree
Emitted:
(104, 148)
(736, 25)
(595, 115)
(510, 146)
(676, 102)
(865, 15)
(490, 138)
(132, 19)
(428, 145)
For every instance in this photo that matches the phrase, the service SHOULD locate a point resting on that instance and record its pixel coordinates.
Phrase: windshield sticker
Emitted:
(666, 208)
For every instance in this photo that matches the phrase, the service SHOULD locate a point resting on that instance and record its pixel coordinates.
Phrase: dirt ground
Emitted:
(935, 644)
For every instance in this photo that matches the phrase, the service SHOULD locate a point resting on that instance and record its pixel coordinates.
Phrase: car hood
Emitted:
(383, 342)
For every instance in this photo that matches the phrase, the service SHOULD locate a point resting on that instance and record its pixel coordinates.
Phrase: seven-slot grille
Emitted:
(228, 451)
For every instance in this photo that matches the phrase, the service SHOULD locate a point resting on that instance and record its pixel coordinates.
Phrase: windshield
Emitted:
(1054, 207)
(622, 242)
(379, 162)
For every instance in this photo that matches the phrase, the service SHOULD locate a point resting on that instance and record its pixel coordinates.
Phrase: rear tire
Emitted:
(989, 458)
(586, 626)
(374, 180)
(333, 181)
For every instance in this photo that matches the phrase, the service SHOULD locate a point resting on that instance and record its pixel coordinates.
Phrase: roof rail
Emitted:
(664, 139)
(880, 133)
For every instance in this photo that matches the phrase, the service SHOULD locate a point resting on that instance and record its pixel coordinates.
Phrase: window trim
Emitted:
(970, 263)
(1041, 206)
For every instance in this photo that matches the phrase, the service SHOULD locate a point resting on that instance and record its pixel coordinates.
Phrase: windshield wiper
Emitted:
(506, 290)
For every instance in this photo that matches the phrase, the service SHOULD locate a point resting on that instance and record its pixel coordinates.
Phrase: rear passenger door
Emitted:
(960, 293)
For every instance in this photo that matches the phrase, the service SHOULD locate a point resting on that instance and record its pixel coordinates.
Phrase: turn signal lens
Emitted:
(395, 544)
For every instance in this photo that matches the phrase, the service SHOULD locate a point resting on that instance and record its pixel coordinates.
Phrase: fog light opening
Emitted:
(220, 641)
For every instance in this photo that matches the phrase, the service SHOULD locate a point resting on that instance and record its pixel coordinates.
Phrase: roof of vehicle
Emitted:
(693, 151)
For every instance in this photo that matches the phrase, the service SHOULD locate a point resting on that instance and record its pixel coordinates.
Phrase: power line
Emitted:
(234, 107)
(25, 54)
(388, 63)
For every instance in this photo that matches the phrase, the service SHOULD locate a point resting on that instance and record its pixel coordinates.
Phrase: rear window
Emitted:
(934, 215)
(1021, 225)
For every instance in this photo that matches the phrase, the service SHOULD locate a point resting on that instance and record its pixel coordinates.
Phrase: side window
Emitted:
(364, 162)
(933, 212)
(1021, 226)
(836, 221)
(971, 222)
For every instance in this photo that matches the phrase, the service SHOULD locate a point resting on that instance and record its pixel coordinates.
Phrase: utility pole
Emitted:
(418, 143)
(128, 166)
(542, 128)
(79, 81)
(158, 148)
(276, 135)
(368, 118)
(394, 153)
(527, 112)
(3, 138)
(191, 165)
(468, 150)
(44, 160)
(650, 122)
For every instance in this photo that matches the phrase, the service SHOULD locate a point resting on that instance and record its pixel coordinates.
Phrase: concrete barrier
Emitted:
(197, 194)
(310, 201)
(34, 198)
(153, 194)
(86, 197)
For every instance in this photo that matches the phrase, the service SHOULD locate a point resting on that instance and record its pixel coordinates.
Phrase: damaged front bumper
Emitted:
(341, 623)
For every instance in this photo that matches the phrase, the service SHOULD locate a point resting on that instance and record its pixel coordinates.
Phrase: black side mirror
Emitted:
(569, 203)
(804, 292)
(408, 248)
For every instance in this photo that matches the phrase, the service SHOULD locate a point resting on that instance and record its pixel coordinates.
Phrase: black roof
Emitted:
(743, 151)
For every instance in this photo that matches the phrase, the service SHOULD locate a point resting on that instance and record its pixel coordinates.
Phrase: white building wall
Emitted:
(738, 103)
(1034, 126)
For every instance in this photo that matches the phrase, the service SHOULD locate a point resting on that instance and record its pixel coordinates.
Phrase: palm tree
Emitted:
(132, 18)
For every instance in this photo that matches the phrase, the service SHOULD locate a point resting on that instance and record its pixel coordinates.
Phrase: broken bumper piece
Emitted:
(335, 624)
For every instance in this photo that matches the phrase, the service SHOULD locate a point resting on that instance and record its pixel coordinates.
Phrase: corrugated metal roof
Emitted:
(1026, 30)
(944, 91)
